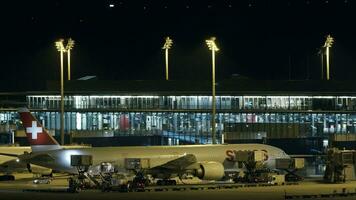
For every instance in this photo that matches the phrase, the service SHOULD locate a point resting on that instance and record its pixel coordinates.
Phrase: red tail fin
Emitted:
(37, 136)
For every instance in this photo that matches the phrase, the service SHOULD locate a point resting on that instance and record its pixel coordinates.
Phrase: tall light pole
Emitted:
(69, 47)
(167, 45)
(328, 43)
(212, 46)
(61, 49)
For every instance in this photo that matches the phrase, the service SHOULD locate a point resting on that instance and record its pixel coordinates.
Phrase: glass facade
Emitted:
(8, 121)
(188, 117)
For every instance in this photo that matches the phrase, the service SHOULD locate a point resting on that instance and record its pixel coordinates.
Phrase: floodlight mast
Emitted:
(61, 49)
(328, 43)
(212, 46)
(69, 47)
(167, 45)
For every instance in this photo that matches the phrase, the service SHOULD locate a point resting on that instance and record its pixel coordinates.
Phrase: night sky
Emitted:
(260, 39)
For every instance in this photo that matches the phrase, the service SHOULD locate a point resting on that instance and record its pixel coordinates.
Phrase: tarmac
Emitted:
(24, 188)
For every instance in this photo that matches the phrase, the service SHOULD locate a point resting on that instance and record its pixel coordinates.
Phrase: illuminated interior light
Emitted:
(254, 96)
(323, 97)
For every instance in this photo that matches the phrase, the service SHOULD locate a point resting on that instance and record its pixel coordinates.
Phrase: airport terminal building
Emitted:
(288, 114)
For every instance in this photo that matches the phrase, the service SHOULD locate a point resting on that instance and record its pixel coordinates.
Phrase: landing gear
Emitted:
(166, 182)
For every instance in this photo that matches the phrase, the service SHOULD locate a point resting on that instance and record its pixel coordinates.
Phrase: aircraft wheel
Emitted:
(78, 189)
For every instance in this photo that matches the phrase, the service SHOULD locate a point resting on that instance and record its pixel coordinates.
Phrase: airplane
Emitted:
(207, 162)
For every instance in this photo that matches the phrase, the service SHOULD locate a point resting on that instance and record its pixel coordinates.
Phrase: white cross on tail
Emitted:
(34, 130)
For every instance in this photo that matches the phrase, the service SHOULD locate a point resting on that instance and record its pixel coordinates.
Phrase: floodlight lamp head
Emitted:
(168, 43)
(59, 45)
(329, 41)
(70, 44)
(211, 44)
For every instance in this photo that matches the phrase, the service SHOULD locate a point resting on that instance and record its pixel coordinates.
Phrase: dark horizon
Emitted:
(268, 40)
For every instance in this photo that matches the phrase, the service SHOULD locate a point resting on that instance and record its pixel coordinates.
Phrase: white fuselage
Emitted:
(158, 155)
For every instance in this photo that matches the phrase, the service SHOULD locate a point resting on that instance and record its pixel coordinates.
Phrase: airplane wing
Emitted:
(11, 166)
(178, 164)
(9, 155)
(40, 158)
(27, 158)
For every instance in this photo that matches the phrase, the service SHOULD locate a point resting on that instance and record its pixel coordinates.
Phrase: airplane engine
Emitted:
(210, 171)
